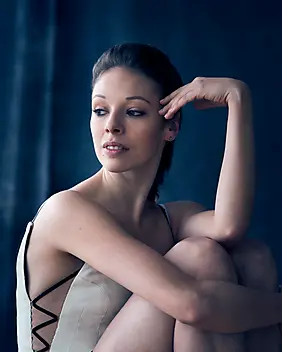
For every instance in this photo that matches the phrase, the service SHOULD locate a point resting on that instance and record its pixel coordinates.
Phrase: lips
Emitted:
(114, 144)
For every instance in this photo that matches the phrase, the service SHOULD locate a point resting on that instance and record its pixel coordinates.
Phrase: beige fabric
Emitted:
(23, 303)
(89, 306)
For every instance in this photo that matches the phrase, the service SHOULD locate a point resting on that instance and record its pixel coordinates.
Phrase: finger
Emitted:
(163, 110)
(176, 92)
(185, 98)
(179, 103)
(167, 107)
(169, 115)
(171, 109)
(170, 96)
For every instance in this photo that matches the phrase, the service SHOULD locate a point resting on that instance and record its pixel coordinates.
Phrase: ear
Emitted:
(172, 127)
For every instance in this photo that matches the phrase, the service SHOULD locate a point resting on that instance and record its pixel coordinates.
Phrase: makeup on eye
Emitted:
(135, 112)
(131, 112)
(99, 111)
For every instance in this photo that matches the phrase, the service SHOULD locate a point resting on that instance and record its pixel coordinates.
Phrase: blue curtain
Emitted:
(47, 52)
(28, 33)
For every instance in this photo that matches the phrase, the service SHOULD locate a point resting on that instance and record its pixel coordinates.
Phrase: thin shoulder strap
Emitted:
(41, 206)
(166, 214)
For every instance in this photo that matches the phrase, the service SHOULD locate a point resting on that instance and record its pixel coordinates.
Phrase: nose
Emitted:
(114, 125)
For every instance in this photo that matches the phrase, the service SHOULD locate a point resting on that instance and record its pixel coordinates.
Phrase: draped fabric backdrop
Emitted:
(48, 48)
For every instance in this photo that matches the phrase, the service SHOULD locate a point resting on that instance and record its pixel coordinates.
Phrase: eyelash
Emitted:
(140, 113)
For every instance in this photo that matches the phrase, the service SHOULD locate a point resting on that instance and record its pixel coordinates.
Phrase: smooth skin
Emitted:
(106, 215)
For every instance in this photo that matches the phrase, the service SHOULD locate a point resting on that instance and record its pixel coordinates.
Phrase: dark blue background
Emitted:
(48, 48)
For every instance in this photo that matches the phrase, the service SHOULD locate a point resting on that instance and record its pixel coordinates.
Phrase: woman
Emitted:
(92, 246)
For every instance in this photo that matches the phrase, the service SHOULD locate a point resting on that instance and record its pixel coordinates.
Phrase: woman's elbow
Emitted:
(192, 309)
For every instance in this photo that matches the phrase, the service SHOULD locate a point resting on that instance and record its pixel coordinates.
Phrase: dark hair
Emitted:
(154, 64)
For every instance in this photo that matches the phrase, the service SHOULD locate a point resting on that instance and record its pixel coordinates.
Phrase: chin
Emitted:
(116, 169)
(120, 164)
(117, 165)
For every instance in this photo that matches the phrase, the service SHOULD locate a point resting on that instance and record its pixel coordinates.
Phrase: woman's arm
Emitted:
(230, 218)
(230, 308)
(68, 223)
(90, 233)
(235, 192)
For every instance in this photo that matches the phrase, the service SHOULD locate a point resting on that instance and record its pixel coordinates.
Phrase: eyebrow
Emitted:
(134, 97)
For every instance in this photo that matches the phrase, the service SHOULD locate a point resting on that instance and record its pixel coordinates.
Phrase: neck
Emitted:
(126, 193)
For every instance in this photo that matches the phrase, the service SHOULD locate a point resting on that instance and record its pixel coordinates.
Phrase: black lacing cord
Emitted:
(54, 317)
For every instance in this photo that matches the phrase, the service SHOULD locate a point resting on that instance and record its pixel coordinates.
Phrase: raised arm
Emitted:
(90, 233)
(230, 218)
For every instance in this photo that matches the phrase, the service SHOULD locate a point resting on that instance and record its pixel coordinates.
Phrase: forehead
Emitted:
(125, 82)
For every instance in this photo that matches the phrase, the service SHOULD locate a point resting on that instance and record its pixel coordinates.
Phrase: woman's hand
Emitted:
(235, 191)
(205, 93)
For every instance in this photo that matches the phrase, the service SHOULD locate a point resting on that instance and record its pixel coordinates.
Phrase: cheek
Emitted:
(96, 132)
(151, 138)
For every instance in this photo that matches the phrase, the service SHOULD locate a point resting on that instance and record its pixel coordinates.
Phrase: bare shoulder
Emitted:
(61, 216)
(181, 211)
(55, 207)
(65, 210)
(87, 231)
(72, 223)
(42, 254)
(63, 202)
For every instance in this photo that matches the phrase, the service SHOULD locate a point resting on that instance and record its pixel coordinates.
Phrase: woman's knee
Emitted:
(255, 264)
(203, 258)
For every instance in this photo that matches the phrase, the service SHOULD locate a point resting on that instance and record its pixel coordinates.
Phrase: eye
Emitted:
(135, 113)
(99, 112)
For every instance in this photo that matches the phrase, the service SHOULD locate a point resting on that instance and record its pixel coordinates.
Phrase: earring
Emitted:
(170, 138)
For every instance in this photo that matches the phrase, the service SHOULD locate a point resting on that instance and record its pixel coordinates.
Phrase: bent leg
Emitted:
(205, 259)
(140, 327)
(256, 269)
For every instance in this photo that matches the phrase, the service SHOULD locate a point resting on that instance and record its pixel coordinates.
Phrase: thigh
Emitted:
(139, 326)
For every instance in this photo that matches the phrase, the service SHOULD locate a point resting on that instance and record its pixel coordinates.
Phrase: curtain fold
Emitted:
(47, 51)
(26, 121)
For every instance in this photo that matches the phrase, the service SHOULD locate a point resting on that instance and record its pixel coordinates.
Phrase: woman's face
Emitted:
(125, 108)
